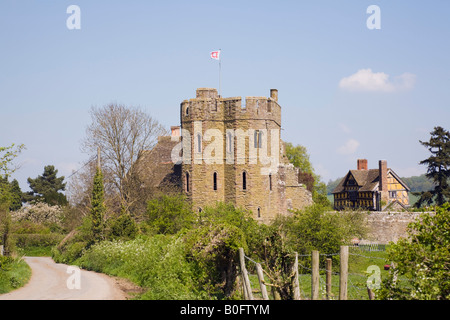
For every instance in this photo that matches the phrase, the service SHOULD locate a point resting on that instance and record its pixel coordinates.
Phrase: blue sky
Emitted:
(346, 91)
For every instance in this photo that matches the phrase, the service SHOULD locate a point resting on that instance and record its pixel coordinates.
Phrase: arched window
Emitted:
(187, 181)
(215, 180)
(187, 111)
(244, 180)
(259, 212)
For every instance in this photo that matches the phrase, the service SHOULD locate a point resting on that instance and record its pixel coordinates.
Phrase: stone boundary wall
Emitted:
(385, 227)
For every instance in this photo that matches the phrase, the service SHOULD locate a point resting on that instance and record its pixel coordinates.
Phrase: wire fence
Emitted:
(366, 265)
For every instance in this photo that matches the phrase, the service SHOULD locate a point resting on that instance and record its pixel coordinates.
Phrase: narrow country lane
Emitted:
(54, 281)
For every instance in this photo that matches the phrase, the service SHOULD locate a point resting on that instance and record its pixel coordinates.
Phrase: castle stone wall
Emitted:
(268, 191)
(388, 226)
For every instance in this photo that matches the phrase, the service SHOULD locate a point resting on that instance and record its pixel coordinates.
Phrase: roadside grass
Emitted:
(156, 264)
(14, 273)
(36, 251)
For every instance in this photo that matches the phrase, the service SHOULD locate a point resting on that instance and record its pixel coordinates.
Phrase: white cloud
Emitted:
(366, 80)
(344, 128)
(349, 147)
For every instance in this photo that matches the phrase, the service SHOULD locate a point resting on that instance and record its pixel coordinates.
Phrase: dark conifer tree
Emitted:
(47, 188)
(438, 167)
(98, 206)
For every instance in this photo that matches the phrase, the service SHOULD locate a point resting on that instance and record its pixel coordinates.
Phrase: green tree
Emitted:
(47, 187)
(7, 155)
(213, 246)
(98, 207)
(299, 157)
(438, 167)
(122, 227)
(168, 214)
(13, 191)
(16, 196)
(422, 258)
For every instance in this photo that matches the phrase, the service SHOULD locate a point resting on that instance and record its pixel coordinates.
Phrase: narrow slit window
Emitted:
(215, 180)
(244, 180)
(270, 182)
(187, 181)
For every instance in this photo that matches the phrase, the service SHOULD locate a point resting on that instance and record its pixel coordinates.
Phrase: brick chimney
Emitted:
(175, 131)
(383, 188)
(362, 164)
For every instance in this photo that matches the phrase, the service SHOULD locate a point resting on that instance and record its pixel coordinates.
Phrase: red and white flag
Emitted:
(215, 55)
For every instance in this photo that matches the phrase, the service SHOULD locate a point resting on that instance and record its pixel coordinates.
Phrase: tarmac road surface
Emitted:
(55, 281)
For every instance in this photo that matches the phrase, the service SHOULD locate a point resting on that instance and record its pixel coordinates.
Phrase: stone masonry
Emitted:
(225, 141)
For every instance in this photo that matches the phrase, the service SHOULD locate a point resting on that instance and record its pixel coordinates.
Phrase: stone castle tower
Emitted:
(232, 152)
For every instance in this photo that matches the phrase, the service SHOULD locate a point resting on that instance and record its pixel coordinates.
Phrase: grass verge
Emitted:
(14, 273)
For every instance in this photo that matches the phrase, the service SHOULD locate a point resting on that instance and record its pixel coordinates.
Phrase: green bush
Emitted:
(157, 263)
(121, 227)
(36, 240)
(213, 249)
(168, 214)
(421, 260)
(70, 253)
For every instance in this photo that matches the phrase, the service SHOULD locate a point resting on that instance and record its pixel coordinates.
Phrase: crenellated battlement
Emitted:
(207, 105)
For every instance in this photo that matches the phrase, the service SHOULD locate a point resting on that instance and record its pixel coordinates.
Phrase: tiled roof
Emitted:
(368, 180)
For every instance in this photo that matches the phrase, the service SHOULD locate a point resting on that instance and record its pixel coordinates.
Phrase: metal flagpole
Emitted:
(220, 67)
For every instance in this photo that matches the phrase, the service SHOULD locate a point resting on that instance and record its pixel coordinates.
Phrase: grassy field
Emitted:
(359, 261)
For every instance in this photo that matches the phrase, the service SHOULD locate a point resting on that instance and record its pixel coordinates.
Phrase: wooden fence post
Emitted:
(371, 294)
(343, 275)
(260, 273)
(296, 285)
(315, 275)
(248, 294)
(328, 277)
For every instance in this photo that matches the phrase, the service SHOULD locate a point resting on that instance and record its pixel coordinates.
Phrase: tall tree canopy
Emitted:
(438, 167)
(7, 155)
(121, 133)
(98, 206)
(299, 157)
(47, 187)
